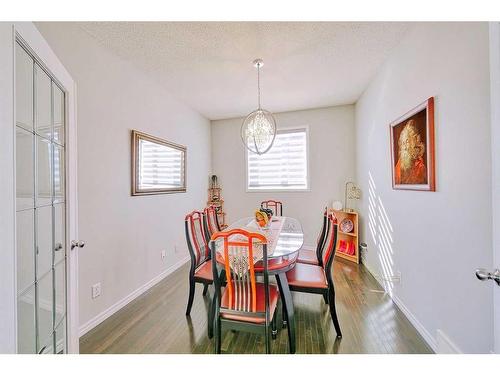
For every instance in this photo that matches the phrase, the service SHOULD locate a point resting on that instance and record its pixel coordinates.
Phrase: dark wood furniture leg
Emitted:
(211, 316)
(274, 330)
(333, 310)
(192, 286)
(287, 301)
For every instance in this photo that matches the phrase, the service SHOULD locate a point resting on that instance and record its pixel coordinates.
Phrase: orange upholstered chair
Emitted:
(244, 304)
(309, 278)
(201, 265)
(276, 206)
(310, 255)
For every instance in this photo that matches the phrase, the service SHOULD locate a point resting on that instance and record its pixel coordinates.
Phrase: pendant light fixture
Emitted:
(259, 127)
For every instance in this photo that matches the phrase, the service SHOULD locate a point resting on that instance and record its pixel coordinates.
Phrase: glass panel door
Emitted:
(40, 209)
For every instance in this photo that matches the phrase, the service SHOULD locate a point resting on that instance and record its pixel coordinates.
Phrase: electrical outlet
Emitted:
(96, 290)
(163, 254)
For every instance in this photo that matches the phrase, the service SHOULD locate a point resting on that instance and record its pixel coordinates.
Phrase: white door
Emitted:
(45, 180)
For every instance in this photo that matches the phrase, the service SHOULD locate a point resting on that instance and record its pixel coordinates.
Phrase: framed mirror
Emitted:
(158, 166)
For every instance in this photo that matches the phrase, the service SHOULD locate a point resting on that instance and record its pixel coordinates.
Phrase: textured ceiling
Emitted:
(208, 65)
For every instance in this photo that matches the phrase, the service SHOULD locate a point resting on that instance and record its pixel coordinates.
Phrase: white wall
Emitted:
(7, 196)
(436, 240)
(125, 235)
(331, 153)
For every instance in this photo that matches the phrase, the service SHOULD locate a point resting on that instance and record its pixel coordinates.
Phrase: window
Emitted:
(158, 167)
(283, 167)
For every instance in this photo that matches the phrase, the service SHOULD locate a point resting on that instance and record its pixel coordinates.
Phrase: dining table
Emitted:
(284, 239)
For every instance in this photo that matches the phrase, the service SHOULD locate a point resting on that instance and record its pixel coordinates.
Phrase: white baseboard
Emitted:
(445, 345)
(442, 344)
(418, 326)
(95, 321)
(429, 339)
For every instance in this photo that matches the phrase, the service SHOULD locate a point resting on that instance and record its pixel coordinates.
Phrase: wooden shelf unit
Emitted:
(351, 237)
(215, 199)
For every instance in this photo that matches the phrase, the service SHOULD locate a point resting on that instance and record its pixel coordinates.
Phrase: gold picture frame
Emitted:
(150, 177)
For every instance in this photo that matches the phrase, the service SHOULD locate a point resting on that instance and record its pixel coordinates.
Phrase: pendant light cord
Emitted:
(258, 83)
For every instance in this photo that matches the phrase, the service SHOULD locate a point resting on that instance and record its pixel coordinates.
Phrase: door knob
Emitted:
(483, 275)
(76, 243)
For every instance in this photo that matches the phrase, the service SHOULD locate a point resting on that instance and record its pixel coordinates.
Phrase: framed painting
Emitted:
(412, 149)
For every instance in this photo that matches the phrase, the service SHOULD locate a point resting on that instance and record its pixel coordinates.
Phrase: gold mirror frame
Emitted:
(136, 137)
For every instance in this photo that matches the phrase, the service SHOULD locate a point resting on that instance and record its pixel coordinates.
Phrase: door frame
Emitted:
(31, 38)
(494, 28)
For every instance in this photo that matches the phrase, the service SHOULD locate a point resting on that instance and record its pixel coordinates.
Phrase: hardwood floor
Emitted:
(155, 322)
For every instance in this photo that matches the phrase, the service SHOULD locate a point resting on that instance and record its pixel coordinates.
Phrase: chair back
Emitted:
(320, 242)
(196, 238)
(276, 206)
(210, 221)
(330, 244)
(239, 250)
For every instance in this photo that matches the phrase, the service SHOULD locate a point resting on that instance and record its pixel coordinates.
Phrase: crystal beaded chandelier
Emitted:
(259, 127)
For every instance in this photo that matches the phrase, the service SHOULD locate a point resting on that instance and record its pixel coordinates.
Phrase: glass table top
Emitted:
(284, 234)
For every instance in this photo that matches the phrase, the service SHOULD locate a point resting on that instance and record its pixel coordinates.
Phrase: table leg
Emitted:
(286, 299)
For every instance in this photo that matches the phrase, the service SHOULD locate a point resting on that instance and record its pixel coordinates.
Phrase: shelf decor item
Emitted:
(215, 199)
(337, 205)
(258, 130)
(214, 183)
(348, 235)
(412, 149)
(346, 225)
(351, 192)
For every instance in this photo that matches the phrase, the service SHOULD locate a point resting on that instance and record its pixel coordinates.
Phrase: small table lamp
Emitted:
(351, 192)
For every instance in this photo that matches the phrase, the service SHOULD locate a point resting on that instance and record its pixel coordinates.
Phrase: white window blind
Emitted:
(160, 166)
(283, 167)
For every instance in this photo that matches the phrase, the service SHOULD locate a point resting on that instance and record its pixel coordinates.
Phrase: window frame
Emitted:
(135, 190)
(308, 166)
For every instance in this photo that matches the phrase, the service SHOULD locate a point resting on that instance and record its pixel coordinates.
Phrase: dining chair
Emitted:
(309, 255)
(317, 279)
(201, 264)
(245, 304)
(210, 221)
(276, 206)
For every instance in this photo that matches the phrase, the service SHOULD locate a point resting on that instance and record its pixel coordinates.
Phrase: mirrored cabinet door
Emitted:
(43, 103)
(25, 231)
(41, 240)
(58, 113)
(26, 322)
(24, 89)
(25, 184)
(43, 172)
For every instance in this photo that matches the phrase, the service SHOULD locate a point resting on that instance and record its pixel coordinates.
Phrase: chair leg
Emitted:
(218, 334)
(268, 339)
(333, 311)
(192, 287)
(274, 331)
(205, 289)
(211, 317)
(283, 314)
(325, 297)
